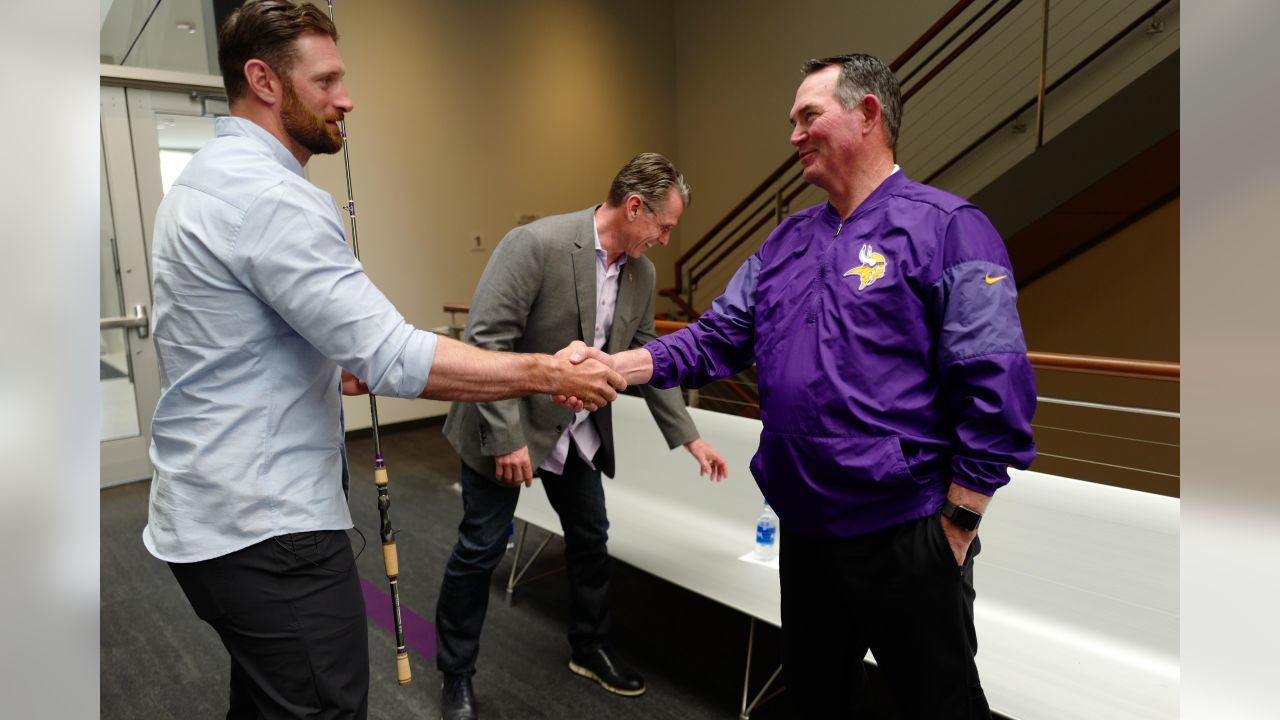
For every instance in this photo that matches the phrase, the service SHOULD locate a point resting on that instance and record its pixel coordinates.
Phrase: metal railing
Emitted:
(1112, 443)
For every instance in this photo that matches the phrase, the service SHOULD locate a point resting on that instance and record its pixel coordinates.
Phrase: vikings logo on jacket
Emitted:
(871, 269)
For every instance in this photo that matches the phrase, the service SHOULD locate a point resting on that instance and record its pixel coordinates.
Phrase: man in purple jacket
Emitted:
(894, 392)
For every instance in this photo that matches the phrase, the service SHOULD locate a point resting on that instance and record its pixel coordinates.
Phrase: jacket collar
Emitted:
(886, 189)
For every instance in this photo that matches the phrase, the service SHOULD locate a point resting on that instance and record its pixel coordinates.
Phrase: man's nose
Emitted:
(797, 135)
(343, 101)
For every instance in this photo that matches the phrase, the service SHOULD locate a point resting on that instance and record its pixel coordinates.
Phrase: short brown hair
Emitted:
(266, 30)
(651, 176)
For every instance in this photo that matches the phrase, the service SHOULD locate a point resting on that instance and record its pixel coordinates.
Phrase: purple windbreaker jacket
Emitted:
(890, 357)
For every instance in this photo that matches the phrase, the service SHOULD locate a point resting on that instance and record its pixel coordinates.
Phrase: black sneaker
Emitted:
(603, 666)
(457, 699)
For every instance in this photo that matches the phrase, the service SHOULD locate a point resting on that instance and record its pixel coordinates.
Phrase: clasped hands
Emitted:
(590, 381)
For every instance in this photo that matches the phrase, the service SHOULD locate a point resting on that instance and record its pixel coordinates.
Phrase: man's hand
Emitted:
(635, 366)
(352, 385)
(710, 462)
(514, 468)
(591, 382)
(580, 354)
(958, 537)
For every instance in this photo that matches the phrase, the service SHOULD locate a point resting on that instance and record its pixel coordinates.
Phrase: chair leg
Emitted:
(514, 580)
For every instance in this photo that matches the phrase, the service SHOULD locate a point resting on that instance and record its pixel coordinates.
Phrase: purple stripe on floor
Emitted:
(419, 635)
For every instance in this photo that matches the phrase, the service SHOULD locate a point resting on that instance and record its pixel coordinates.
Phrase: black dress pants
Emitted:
(897, 592)
(291, 614)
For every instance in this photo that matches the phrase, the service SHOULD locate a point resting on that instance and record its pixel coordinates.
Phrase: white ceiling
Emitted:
(147, 33)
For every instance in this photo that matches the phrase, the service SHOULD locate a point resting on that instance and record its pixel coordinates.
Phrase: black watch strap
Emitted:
(962, 516)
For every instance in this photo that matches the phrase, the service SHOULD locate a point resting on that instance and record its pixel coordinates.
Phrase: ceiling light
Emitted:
(186, 27)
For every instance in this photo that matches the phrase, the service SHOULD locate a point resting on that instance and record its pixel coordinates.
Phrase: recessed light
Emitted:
(186, 27)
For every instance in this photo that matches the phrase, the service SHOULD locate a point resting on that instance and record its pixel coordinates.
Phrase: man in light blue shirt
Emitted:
(259, 303)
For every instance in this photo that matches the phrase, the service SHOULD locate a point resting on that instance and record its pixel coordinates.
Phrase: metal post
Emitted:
(1044, 71)
(515, 560)
(746, 680)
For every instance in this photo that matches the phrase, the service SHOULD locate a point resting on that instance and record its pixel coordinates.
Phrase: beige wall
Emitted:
(468, 115)
(1119, 298)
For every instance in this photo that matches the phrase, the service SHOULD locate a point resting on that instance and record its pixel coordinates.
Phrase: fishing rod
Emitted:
(390, 560)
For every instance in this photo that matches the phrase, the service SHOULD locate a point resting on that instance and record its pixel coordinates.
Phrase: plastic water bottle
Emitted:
(766, 534)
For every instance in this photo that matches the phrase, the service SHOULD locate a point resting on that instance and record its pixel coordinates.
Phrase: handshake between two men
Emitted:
(578, 377)
(630, 367)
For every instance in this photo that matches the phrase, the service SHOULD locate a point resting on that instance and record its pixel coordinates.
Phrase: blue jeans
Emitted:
(488, 508)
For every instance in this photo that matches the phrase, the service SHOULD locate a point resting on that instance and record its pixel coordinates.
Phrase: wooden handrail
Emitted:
(1098, 365)
(1085, 364)
(990, 23)
(947, 43)
(728, 218)
(929, 34)
(708, 263)
(1065, 362)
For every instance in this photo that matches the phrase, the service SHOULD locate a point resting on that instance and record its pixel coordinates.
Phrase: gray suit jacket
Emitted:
(538, 294)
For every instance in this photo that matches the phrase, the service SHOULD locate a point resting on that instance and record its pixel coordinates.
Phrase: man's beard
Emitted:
(307, 128)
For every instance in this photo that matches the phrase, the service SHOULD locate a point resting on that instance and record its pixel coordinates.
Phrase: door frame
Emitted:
(129, 98)
(126, 459)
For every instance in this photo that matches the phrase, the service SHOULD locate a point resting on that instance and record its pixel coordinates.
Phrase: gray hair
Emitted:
(651, 176)
(862, 75)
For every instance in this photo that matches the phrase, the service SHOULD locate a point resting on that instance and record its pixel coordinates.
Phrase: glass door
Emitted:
(167, 129)
(148, 136)
(130, 382)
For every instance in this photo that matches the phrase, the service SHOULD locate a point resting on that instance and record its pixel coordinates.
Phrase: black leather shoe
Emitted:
(603, 666)
(457, 699)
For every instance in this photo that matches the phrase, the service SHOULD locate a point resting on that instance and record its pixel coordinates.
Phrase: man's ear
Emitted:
(634, 205)
(263, 81)
(872, 113)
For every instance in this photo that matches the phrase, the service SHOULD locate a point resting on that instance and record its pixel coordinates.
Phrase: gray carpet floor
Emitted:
(159, 661)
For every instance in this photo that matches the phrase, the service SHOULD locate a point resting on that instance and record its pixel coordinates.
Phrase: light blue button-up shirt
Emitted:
(258, 301)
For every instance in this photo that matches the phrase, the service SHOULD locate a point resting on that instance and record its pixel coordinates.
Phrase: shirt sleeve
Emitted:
(666, 405)
(987, 381)
(291, 253)
(720, 344)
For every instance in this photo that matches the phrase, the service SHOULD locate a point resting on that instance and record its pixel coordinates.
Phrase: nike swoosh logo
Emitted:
(993, 280)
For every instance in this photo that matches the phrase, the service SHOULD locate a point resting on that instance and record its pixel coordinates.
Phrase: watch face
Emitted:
(962, 516)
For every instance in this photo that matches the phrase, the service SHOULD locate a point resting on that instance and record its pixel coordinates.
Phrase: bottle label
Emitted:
(764, 534)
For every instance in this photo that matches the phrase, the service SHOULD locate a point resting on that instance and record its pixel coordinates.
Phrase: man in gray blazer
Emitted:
(576, 277)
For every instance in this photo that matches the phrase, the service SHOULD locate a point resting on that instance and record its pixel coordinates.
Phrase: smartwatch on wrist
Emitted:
(962, 516)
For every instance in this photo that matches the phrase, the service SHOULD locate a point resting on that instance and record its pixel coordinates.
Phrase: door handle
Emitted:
(138, 320)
